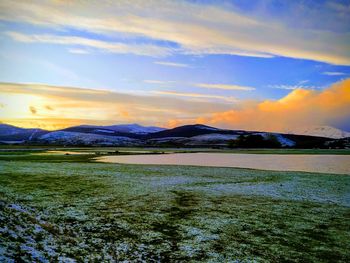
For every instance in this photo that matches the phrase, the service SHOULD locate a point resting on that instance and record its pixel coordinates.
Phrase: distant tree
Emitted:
(336, 144)
(255, 141)
(272, 141)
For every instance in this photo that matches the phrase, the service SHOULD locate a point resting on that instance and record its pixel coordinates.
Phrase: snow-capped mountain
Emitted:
(196, 135)
(135, 128)
(321, 131)
(125, 128)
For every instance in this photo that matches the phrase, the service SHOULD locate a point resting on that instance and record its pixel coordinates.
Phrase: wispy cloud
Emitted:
(293, 87)
(172, 64)
(160, 82)
(78, 51)
(334, 73)
(112, 47)
(224, 86)
(202, 85)
(195, 28)
(196, 95)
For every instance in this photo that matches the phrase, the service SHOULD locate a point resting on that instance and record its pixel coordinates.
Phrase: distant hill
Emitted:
(6, 129)
(189, 131)
(86, 139)
(99, 130)
(13, 134)
(135, 128)
(321, 131)
(135, 131)
(196, 135)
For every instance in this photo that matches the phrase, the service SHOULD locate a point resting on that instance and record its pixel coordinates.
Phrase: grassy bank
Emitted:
(8, 149)
(66, 208)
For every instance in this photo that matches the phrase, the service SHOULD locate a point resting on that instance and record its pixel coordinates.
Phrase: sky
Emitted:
(260, 65)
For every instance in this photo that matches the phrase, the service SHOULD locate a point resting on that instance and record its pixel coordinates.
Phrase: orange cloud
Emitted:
(174, 123)
(299, 108)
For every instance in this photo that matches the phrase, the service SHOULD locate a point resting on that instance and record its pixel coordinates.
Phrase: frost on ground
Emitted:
(25, 236)
(93, 212)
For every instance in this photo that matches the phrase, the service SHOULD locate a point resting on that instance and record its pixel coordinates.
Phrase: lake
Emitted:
(337, 164)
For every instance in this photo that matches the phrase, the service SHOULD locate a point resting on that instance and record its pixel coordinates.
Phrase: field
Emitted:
(67, 208)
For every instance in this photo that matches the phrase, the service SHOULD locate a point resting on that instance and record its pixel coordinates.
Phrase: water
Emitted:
(338, 164)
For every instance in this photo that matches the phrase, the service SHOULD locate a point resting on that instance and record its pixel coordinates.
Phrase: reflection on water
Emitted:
(339, 164)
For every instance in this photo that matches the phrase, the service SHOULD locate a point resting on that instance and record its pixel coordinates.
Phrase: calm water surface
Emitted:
(338, 164)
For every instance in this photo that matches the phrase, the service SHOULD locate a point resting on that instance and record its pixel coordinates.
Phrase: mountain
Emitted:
(134, 128)
(6, 129)
(13, 134)
(320, 131)
(203, 135)
(116, 130)
(99, 130)
(189, 131)
(78, 138)
(196, 135)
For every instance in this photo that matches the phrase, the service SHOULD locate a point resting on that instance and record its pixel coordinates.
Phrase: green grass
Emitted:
(60, 207)
(8, 149)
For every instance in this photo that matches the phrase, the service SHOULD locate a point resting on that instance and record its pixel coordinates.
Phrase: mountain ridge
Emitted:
(322, 131)
(137, 135)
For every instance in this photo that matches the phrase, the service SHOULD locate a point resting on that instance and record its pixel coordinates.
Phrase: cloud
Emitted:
(78, 51)
(223, 86)
(161, 82)
(193, 27)
(95, 106)
(304, 81)
(48, 107)
(112, 47)
(333, 73)
(293, 87)
(202, 85)
(196, 95)
(33, 110)
(300, 107)
(172, 64)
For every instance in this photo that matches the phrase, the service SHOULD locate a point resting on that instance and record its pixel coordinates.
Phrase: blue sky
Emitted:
(188, 50)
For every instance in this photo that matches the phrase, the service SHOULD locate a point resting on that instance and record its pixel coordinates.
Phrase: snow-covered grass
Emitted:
(93, 212)
(86, 138)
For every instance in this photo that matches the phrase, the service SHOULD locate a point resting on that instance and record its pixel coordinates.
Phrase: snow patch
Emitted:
(86, 138)
(105, 131)
(321, 131)
(214, 137)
